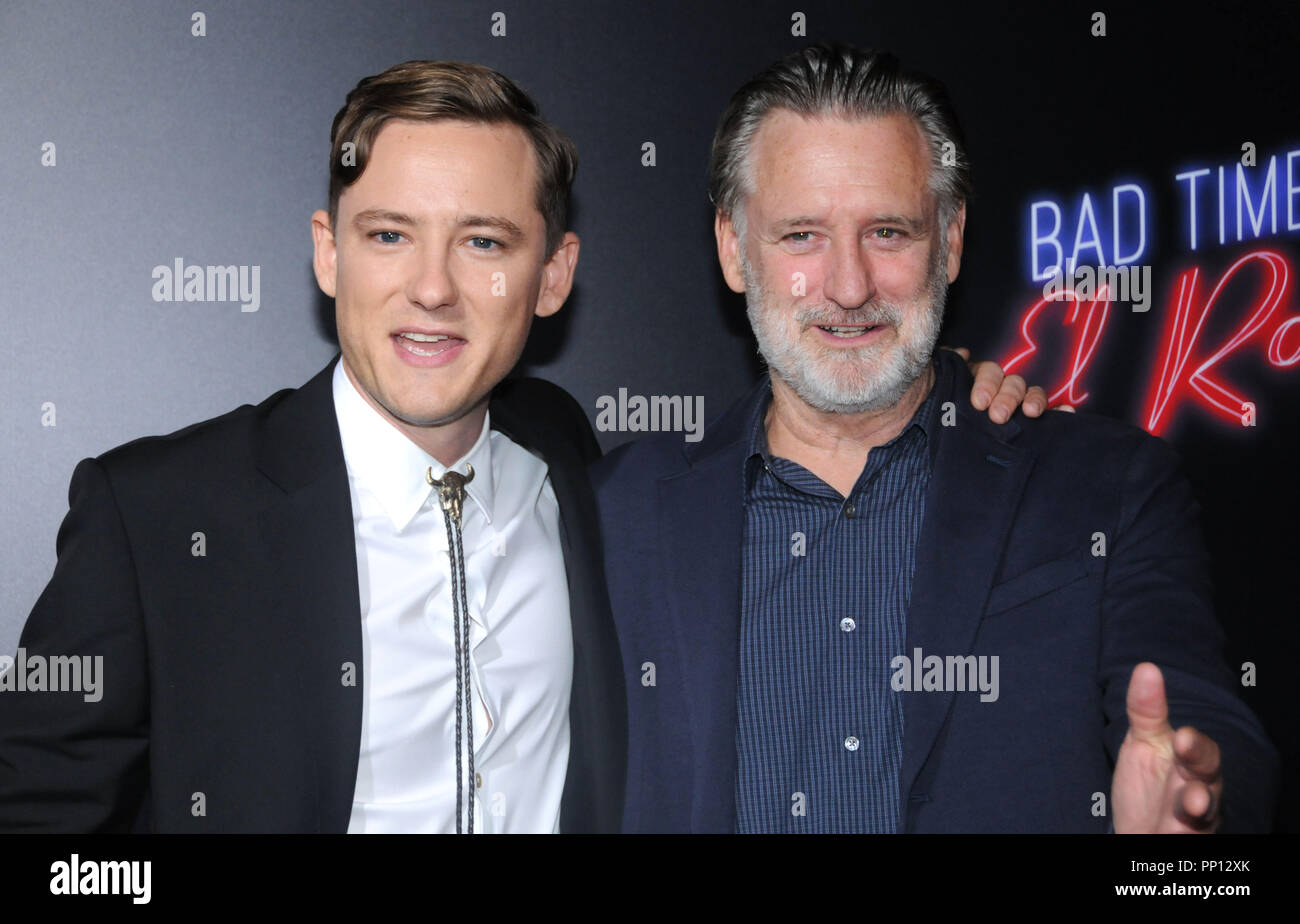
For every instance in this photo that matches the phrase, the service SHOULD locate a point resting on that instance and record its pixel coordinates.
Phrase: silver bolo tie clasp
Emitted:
(451, 489)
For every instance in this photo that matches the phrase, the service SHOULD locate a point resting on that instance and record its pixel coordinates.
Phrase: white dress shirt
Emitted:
(521, 644)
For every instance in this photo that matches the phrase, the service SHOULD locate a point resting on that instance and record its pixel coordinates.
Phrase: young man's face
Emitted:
(437, 265)
(843, 264)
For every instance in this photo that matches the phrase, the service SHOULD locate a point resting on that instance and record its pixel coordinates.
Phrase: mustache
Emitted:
(833, 316)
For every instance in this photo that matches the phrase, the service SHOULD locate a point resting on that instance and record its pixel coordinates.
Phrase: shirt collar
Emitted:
(391, 467)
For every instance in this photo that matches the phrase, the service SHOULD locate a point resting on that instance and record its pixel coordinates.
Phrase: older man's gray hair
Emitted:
(834, 79)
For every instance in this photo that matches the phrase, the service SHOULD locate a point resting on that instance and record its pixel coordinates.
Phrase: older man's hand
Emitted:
(1166, 781)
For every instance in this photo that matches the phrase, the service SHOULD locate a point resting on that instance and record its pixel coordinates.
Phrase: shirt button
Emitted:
(850, 511)
(478, 780)
(848, 624)
(851, 743)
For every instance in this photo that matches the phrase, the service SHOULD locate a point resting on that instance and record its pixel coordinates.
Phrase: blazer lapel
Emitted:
(970, 504)
(593, 785)
(312, 603)
(701, 537)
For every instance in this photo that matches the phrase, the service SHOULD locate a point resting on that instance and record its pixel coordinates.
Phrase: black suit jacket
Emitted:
(223, 673)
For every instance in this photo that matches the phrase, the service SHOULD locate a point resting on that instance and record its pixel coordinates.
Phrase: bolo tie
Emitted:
(451, 494)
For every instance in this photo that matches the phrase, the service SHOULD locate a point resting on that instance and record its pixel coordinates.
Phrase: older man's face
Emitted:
(842, 262)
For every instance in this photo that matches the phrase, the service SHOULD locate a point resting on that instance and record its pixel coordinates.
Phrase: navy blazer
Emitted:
(1005, 566)
(223, 673)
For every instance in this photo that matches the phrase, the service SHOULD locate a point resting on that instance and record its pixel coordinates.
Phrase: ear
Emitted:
(325, 254)
(724, 231)
(956, 232)
(557, 277)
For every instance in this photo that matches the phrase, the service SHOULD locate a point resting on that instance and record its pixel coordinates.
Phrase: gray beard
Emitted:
(851, 381)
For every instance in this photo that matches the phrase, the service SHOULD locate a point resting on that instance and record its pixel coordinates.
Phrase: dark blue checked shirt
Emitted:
(819, 736)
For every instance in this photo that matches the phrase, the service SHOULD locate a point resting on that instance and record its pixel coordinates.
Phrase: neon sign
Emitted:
(1186, 372)
(1128, 204)
(1179, 381)
(1235, 203)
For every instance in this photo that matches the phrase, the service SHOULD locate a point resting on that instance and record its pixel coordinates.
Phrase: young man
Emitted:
(373, 603)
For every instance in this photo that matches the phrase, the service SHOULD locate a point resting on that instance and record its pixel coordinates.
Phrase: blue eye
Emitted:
(387, 237)
(797, 238)
(484, 243)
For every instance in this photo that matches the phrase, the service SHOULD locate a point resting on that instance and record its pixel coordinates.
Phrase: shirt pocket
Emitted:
(1037, 582)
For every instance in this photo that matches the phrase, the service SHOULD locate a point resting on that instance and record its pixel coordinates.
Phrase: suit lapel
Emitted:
(593, 785)
(970, 503)
(312, 603)
(701, 537)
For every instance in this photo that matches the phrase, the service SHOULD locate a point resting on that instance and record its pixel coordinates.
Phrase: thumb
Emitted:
(1148, 712)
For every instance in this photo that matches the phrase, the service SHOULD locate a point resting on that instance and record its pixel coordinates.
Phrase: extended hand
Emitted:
(1165, 782)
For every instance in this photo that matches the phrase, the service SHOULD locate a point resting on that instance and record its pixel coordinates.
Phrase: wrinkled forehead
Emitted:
(829, 162)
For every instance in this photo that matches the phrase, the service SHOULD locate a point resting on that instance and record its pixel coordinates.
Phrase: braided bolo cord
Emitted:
(452, 495)
(462, 626)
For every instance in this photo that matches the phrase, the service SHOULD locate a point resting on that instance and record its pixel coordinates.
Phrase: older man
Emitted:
(857, 606)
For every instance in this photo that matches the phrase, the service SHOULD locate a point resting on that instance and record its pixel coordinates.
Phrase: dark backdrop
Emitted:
(213, 149)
